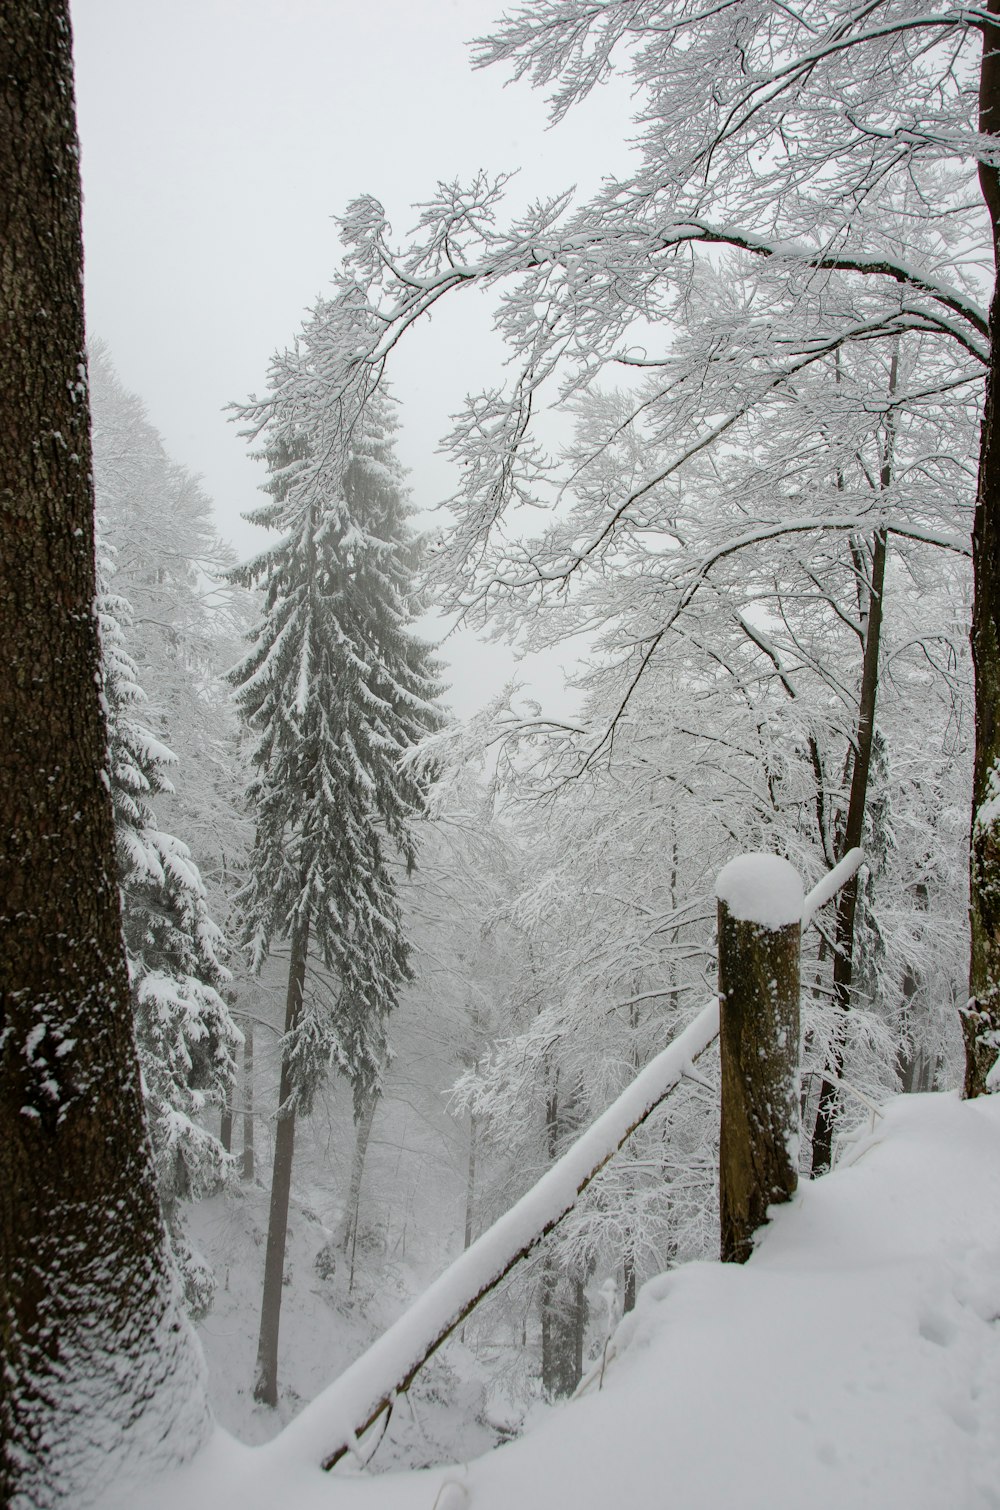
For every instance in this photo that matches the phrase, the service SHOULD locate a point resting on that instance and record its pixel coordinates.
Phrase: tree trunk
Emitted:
(226, 1123)
(628, 1303)
(102, 1381)
(546, 1301)
(265, 1389)
(362, 1134)
(247, 1170)
(579, 1330)
(981, 1018)
(470, 1183)
(847, 902)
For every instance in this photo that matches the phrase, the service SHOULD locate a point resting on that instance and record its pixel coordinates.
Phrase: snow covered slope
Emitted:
(855, 1360)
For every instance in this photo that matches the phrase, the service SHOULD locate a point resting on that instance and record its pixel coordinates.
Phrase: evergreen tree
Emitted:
(185, 625)
(184, 1032)
(335, 689)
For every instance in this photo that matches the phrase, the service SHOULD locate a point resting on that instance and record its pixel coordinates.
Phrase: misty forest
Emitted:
(381, 1088)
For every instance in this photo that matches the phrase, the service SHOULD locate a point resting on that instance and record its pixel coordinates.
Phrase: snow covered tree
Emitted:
(102, 1379)
(835, 147)
(186, 622)
(184, 1032)
(334, 690)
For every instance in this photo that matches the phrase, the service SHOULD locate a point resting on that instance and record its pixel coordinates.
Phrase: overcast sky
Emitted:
(219, 137)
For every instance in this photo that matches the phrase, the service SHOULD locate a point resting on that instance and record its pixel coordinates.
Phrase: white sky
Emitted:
(219, 137)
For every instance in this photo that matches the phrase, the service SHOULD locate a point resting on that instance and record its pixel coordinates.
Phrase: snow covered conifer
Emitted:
(184, 1032)
(335, 688)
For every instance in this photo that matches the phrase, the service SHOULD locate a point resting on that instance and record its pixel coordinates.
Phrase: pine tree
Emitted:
(335, 689)
(184, 1033)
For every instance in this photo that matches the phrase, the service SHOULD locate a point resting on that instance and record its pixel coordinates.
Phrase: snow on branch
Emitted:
(330, 1426)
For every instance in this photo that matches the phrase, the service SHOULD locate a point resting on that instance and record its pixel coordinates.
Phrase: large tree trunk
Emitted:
(102, 1380)
(981, 1019)
(265, 1389)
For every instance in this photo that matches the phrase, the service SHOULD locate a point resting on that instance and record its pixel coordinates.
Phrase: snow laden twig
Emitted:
(328, 1427)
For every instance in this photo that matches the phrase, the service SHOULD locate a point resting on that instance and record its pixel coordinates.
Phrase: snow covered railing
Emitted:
(762, 912)
(331, 1425)
(824, 891)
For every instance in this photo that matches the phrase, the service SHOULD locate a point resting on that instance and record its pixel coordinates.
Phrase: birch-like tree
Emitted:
(334, 690)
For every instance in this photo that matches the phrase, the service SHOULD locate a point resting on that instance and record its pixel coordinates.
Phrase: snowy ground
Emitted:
(327, 1320)
(854, 1361)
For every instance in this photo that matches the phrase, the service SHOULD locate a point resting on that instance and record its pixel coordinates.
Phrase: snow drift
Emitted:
(855, 1360)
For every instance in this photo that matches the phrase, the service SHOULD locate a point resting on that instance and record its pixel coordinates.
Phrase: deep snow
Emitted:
(855, 1360)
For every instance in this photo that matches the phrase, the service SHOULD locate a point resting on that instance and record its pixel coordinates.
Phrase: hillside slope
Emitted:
(855, 1360)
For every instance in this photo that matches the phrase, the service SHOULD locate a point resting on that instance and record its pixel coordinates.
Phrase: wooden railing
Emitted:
(762, 912)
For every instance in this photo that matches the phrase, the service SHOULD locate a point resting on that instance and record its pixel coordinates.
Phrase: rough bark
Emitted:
(981, 1019)
(759, 1051)
(101, 1379)
(265, 1389)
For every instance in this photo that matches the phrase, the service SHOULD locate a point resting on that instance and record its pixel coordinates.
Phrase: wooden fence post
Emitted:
(760, 912)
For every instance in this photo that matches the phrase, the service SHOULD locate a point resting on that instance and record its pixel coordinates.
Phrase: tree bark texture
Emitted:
(265, 1389)
(100, 1378)
(981, 1019)
(759, 1050)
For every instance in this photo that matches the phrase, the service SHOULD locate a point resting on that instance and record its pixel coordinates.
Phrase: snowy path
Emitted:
(854, 1361)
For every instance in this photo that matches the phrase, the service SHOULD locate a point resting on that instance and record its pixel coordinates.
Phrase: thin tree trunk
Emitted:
(265, 1389)
(470, 1183)
(247, 1170)
(101, 1379)
(550, 1282)
(546, 1301)
(362, 1136)
(847, 902)
(226, 1122)
(579, 1330)
(981, 1018)
(628, 1303)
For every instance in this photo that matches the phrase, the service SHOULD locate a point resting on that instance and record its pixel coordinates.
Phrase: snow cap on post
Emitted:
(762, 889)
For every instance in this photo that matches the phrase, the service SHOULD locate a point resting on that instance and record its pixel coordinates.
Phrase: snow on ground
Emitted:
(855, 1360)
(327, 1320)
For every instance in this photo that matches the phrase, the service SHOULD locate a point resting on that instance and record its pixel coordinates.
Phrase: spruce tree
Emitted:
(335, 688)
(184, 1033)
